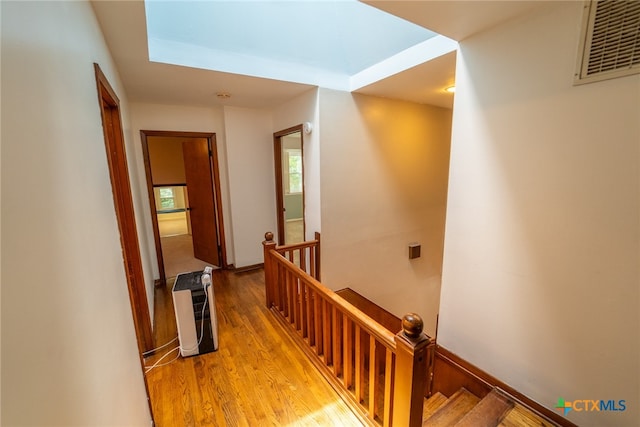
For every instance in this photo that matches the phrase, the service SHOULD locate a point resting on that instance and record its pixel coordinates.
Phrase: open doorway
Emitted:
(184, 196)
(289, 167)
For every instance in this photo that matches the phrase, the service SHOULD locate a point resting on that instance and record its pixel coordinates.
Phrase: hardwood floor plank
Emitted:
(432, 404)
(520, 416)
(488, 412)
(257, 377)
(453, 411)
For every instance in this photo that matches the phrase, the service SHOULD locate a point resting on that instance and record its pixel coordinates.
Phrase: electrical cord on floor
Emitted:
(148, 369)
(159, 348)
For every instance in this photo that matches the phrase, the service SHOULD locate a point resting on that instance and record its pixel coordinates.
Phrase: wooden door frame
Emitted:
(123, 204)
(215, 179)
(277, 154)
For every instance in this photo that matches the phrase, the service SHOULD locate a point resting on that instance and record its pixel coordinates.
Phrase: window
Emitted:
(294, 169)
(167, 198)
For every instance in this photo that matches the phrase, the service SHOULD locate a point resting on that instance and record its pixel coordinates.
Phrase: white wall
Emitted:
(384, 182)
(69, 354)
(540, 284)
(304, 108)
(183, 119)
(249, 143)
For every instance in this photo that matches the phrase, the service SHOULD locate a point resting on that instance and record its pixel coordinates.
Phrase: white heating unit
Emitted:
(195, 307)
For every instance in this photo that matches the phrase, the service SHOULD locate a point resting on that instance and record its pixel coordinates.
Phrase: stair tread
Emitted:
(488, 412)
(432, 404)
(520, 416)
(453, 411)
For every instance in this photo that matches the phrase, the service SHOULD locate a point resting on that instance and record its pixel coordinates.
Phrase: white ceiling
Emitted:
(124, 26)
(457, 19)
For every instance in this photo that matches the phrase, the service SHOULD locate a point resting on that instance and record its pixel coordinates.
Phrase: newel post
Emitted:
(269, 268)
(411, 376)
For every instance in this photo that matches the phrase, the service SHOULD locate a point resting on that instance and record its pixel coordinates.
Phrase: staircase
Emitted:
(382, 376)
(463, 409)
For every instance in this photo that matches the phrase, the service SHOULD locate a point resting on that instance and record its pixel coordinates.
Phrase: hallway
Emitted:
(257, 377)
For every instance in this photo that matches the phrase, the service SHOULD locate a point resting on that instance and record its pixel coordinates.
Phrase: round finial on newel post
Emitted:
(268, 236)
(412, 325)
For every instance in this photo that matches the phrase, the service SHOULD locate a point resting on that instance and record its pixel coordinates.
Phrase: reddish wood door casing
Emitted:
(123, 203)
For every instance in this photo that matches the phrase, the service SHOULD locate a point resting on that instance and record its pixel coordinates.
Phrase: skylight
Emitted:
(320, 42)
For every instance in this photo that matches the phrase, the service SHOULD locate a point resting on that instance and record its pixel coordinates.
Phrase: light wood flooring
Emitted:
(258, 377)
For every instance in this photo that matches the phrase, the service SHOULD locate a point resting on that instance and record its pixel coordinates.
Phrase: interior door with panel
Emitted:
(200, 193)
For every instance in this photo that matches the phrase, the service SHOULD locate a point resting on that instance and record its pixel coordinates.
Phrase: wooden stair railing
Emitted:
(381, 375)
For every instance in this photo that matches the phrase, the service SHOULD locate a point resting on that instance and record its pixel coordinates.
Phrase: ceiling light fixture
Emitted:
(451, 89)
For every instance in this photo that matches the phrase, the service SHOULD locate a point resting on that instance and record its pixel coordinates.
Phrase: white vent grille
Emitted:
(610, 46)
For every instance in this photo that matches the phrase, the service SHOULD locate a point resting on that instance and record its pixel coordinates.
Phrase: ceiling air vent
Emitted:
(610, 42)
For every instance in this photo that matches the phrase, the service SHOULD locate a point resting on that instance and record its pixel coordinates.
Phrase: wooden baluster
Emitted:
(347, 345)
(292, 297)
(295, 297)
(373, 377)
(303, 260)
(287, 289)
(317, 257)
(388, 388)
(308, 314)
(282, 285)
(410, 380)
(317, 322)
(295, 286)
(326, 333)
(312, 261)
(336, 336)
(359, 366)
(277, 285)
(269, 269)
(301, 321)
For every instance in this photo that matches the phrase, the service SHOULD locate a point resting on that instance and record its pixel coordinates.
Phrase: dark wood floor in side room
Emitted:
(258, 376)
